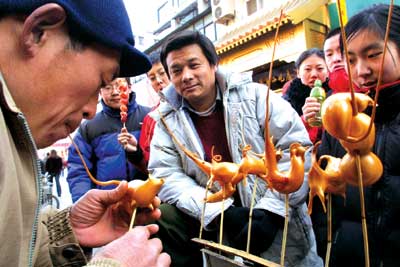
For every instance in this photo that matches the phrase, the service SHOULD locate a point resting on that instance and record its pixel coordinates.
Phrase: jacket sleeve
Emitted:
(286, 128)
(58, 245)
(140, 158)
(313, 132)
(182, 187)
(78, 180)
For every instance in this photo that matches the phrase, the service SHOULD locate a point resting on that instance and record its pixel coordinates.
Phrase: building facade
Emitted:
(243, 31)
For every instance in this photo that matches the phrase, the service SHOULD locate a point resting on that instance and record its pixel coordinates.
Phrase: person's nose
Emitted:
(314, 73)
(362, 70)
(89, 110)
(337, 57)
(115, 90)
(187, 74)
(159, 79)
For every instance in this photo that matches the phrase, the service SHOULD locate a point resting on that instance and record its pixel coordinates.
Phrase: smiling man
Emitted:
(210, 110)
(54, 58)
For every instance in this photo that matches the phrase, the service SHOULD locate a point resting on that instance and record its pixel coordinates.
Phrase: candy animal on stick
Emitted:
(140, 195)
(227, 174)
(290, 181)
(328, 180)
(355, 134)
(338, 118)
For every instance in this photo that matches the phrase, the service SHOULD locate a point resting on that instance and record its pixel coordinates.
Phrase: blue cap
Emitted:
(103, 21)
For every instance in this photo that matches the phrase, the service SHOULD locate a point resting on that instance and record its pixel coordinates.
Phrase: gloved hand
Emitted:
(265, 225)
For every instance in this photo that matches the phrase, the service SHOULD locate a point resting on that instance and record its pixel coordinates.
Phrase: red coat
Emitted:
(145, 139)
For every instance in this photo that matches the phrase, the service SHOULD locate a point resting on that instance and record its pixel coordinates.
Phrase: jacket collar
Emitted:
(6, 99)
(226, 81)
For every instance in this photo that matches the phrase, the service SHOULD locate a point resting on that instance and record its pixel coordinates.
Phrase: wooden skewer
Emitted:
(285, 230)
(329, 216)
(221, 226)
(253, 196)
(363, 219)
(133, 218)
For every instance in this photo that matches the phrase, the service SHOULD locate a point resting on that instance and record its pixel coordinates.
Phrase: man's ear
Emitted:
(48, 16)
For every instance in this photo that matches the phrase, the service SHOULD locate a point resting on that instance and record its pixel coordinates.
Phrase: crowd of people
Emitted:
(66, 53)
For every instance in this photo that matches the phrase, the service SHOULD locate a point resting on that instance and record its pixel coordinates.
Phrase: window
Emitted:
(253, 6)
(141, 40)
(182, 3)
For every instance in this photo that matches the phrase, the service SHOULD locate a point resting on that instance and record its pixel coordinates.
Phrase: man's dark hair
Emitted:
(186, 38)
(308, 53)
(77, 40)
(332, 33)
(154, 57)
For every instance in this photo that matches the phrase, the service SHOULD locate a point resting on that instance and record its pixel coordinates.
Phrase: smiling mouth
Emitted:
(369, 84)
(189, 88)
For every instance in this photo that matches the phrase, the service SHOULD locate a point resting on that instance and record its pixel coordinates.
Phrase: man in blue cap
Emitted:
(54, 58)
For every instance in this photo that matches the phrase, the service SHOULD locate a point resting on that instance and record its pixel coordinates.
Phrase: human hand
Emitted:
(127, 140)
(264, 227)
(98, 217)
(310, 108)
(136, 249)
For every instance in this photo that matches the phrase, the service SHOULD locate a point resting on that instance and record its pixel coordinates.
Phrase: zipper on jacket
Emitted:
(379, 152)
(36, 165)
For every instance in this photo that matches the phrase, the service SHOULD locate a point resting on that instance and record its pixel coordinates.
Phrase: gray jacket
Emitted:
(244, 113)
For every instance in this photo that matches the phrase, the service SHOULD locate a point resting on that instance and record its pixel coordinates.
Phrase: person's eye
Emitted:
(176, 71)
(374, 55)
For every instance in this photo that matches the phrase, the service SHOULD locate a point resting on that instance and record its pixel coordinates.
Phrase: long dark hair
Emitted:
(374, 19)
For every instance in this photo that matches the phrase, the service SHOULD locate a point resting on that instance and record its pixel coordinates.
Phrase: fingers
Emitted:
(164, 260)
(137, 249)
(142, 233)
(152, 228)
(156, 202)
(311, 108)
(146, 216)
(128, 141)
(113, 196)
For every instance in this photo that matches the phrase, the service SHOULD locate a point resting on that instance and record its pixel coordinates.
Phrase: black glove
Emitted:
(265, 225)
(235, 218)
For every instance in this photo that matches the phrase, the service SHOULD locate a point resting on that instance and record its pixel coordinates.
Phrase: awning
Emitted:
(294, 11)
